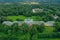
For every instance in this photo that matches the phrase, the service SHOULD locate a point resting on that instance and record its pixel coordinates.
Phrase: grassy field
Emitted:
(48, 30)
(13, 18)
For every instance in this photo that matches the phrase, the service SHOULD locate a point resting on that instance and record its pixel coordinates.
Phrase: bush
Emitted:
(52, 35)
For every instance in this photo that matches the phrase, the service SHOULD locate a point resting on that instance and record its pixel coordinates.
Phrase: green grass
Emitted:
(48, 30)
(13, 18)
(36, 18)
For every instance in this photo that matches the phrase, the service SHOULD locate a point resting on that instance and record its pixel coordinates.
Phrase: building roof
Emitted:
(49, 23)
(36, 10)
(9, 23)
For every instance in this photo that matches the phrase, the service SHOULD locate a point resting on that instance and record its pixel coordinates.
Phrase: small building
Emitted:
(37, 10)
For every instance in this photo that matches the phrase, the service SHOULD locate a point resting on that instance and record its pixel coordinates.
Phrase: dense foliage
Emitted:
(18, 12)
(50, 10)
(26, 32)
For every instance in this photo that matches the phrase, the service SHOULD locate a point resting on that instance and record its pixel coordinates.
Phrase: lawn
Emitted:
(48, 30)
(13, 18)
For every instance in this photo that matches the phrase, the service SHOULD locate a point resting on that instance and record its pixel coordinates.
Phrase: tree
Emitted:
(57, 26)
(24, 28)
(35, 29)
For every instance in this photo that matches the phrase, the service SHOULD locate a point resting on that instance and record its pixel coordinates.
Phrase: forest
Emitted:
(19, 12)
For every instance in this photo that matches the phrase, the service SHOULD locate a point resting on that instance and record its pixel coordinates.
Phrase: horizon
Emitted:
(30, 1)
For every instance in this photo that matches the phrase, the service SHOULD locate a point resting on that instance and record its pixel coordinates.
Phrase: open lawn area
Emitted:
(13, 18)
